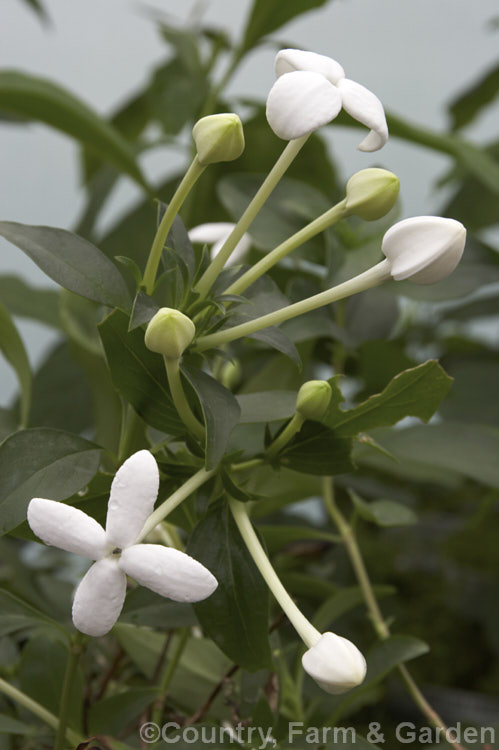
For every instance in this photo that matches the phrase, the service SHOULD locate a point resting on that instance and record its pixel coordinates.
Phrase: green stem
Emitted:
(327, 219)
(179, 399)
(171, 503)
(71, 664)
(208, 278)
(294, 425)
(189, 179)
(252, 463)
(350, 540)
(366, 280)
(168, 676)
(303, 627)
(35, 708)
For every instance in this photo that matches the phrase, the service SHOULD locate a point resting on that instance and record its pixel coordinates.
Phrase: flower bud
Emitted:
(335, 663)
(169, 333)
(424, 249)
(218, 138)
(371, 193)
(313, 399)
(231, 374)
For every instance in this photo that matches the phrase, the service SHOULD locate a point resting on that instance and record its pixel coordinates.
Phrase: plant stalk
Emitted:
(294, 425)
(179, 399)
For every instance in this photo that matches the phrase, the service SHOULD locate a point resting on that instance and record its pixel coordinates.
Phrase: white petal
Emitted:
(99, 598)
(168, 572)
(68, 528)
(335, 663)
(301, 102)
(133, 494)
(215, 234)
(424, 249)
(288, 60)
(365, 107)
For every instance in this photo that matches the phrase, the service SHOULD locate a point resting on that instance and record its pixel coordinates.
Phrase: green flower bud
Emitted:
(313, 399)
(169, 333)
(231, 374)
(218, 138)
(371, 193)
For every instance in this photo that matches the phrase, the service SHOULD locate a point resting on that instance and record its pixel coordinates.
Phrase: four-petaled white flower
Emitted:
(310, 91)
(100, 596)
(215, 233)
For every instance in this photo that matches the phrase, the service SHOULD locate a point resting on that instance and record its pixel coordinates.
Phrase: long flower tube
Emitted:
(334, 662)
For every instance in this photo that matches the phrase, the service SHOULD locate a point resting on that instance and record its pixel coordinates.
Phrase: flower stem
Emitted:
(31, 705)
(303, 627)
(327, 219)
(129, 422)
(179, 399)
(350, 541)
(208, 278)
(167, 677)
(366, 280)
(171, 503)
(188, 181)
(294, 425)
(71, 664)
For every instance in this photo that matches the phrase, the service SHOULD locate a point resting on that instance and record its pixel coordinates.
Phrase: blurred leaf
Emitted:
(317, 450)
(12, 348)
(342, 602)
(220, 409)
(277, 537)
(40, 99)
(138, 374)
(9, 725)
(112, 714)
(71, 261)
(42, 463)
(176, 94)
(468, 105)
(178, 240)
(266, 406)
(17, 614)
(416, 392)
(143, 607)
(38, 8)
(383, 512)
(27, 301)
(268, 15)
(236, 615)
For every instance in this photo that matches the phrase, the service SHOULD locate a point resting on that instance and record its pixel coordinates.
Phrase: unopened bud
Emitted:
(424, 249)
(169, 333)
(230, 374)
(335, 663)
(371, 193)
(313, 399)
(218, 138)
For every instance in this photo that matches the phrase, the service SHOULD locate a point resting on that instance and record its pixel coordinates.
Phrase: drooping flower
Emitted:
(100, 595)
(215, 234)
(335, 663)
(424, 249)
(310, 91)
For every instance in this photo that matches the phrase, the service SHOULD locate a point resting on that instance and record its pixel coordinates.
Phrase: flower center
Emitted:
(116, 551)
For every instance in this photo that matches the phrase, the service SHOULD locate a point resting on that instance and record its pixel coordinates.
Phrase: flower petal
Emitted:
(365, 107)
(335, 663)
(288, 60)
(168, 572)
(68, 528)
(215, 234)
(133, 494)
(99, 598)
(301, 102)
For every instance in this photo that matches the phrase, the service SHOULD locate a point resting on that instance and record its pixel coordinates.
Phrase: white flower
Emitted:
(424, 249)
(215, 234)
(100, 595)
(310, 91)
(335, 663)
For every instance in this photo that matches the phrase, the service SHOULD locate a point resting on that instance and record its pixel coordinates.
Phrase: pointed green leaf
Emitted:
(266, 406)
(383, 512)
(12, 347)
(468, 105)
(39, 99)
(27, 301)
(317, 450)
(268, 15)
(71, 261)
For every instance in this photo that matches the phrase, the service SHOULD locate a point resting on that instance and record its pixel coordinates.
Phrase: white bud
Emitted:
(218, 138)
(169, 333)
(335, 664)
(424, 249)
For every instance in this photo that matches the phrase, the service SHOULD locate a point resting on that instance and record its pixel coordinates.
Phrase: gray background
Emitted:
(415, 56)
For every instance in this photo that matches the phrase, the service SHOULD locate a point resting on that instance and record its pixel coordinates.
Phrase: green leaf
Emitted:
(16, 614)
(236, 615)
(38, 8)
(39, 99)
(317, 450)
(343, 601)
(266, 406)
(42, 463)
(9, 725)
(178, 240)
(220, 409)
(383, 512)
(12, 347)
(468, 105)
(268, 15)
(71, 261)
(416, 393)
(138, 374)
(27, 301)
(110, 715)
